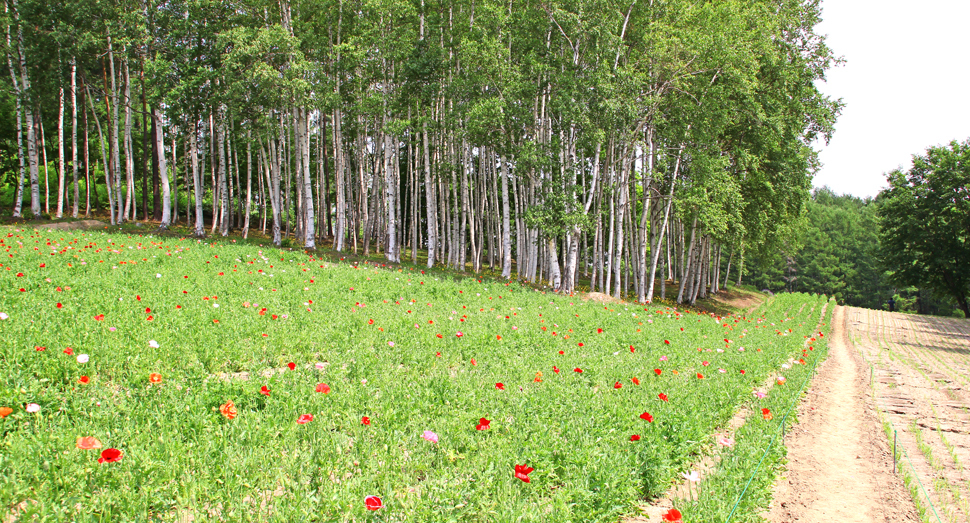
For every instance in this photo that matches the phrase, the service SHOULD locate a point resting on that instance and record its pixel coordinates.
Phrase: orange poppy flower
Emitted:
(5, 411)
(155, 377)
(228, 410)
(88, 443)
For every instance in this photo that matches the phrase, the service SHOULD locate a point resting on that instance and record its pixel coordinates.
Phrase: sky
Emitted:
(905, 84)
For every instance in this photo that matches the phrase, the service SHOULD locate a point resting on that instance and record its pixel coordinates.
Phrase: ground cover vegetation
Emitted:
(618, 139)
(157, 377)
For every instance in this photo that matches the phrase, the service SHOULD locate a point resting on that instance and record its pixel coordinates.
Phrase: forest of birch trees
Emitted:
(621, 141)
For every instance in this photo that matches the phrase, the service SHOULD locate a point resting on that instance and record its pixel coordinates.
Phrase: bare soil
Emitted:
(840, 464)
(919, 374)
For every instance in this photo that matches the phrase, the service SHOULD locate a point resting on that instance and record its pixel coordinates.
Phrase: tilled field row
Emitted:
(920, 383)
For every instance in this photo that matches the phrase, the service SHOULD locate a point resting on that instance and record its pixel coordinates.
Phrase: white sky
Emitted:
(905, 84)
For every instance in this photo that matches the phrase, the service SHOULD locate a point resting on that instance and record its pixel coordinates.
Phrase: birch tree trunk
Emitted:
(506, 227)
(18, 93)
(249, 182)
(115, 128)
(223, 175)
(60, 154)
(130, 204)
(196, 179)
(309, 225)
(391, 252)
(74, 210)
(430, 198)
(163, 169)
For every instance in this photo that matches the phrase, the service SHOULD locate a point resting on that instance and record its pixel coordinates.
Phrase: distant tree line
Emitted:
(911, 243)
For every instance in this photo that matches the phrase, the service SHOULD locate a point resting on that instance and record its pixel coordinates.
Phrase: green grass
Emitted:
(372, 334)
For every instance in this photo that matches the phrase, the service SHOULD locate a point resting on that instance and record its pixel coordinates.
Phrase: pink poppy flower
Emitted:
(430, 436)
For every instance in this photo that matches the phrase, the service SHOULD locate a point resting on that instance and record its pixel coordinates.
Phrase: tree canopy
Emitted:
(926, 223)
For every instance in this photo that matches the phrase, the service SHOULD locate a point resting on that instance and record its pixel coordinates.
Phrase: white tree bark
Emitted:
(60, 154)
(19, 196)
(196, 179)
(430, 198)
(163, 169)
(506, 226)
(77, 192)
(309, 226)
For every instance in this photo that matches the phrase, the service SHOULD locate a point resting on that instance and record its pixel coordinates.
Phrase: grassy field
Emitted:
(434, 394)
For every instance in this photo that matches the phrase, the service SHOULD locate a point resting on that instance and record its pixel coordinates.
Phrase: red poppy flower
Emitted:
(766, 414)
(579, 370)
(473, 362)
(700, 376)
(84, 380)
(38, 348)
(673, 516)
(304, 418)
(742, 371)
(291, 365)
(373, 502)
(618, 385)
(599, 331)
(662, 396)
(439, 336)
(562, 352)
(150, 318)
(365, 421)
(323, 387)
(635, 437)
(632, 349)
(658, 371)
(555, 369)
(483, 424)
(99, 317)
(59, 306)
(110, 456)
(500, 386)
(264, 391)
(666, 342)
(69, 351)
(522, 472)
(635, 380)
(580, 344)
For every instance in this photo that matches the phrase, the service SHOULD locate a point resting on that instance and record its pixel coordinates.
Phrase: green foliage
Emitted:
(926, 223)
(835, 252)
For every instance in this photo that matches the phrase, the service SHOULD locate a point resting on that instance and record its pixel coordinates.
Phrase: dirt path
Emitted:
(839, 462)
